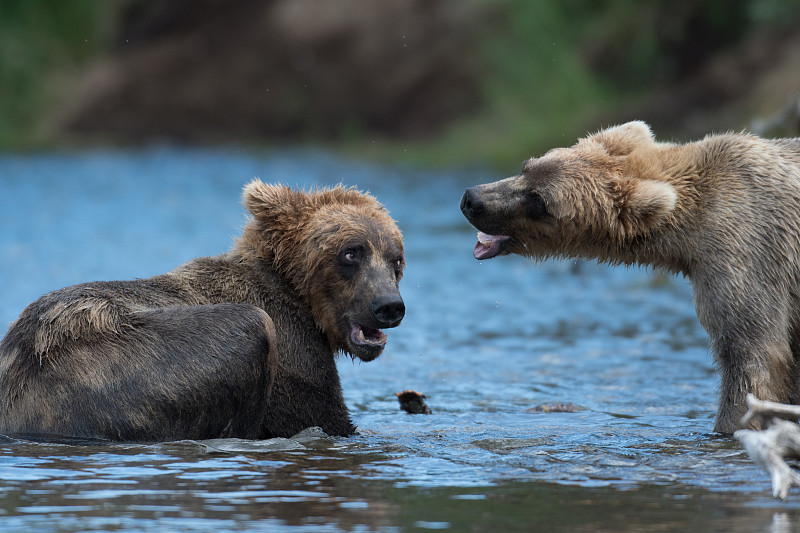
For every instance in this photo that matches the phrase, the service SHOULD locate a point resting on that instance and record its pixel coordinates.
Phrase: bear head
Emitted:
(590, 200)
(341, 251)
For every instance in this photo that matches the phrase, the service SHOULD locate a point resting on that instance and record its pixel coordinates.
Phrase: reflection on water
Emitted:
(485, 342)
(328, 486)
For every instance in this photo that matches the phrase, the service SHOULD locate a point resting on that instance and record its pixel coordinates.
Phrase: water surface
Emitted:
(485, 342)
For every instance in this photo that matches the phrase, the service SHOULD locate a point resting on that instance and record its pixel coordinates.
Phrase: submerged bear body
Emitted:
(238, 345)
(724, 211)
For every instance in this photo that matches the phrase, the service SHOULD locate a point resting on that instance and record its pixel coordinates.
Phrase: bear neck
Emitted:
(233, 278)
(697, 171)
(254, 247)
(307, 372)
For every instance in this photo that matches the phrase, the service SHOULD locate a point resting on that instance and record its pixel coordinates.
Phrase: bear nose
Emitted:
(388, 310)
(472, 204)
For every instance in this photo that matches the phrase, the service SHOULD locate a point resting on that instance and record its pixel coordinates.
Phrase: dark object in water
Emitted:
(556, 408)
(413, 402)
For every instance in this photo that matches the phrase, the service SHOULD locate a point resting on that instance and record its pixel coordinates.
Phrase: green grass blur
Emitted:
(41, 40)
(546, 68)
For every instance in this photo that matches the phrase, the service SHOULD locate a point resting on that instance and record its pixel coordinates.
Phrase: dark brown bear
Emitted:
(237, 345)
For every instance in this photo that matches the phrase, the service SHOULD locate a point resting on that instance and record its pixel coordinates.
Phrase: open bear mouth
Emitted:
(366, 336)
(489, 246)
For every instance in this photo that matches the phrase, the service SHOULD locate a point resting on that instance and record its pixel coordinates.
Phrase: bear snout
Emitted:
(388, 310)
(472, 204)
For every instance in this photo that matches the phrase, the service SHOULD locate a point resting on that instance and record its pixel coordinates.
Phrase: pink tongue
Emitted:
(487, 246)
(481, 251)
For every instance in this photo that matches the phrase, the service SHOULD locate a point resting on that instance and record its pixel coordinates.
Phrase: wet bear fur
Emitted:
(237, 345)
(724, 211)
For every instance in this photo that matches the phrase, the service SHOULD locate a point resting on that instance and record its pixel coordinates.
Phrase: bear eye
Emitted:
(535, 206)
(348, 256)
(348, 260)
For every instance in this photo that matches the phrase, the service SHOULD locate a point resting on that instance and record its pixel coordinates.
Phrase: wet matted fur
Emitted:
(724, 211)
(237, 345)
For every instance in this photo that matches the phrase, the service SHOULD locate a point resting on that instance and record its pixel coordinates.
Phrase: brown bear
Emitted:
(237, 345)
(724, 211)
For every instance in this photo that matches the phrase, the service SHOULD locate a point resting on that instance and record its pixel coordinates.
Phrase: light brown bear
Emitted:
(237, 345)
(724, 211)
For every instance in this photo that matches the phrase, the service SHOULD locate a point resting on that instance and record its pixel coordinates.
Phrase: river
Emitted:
(485, 342)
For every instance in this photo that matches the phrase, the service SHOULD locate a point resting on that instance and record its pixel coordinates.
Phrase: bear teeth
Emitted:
(485, 239)
(379, 337)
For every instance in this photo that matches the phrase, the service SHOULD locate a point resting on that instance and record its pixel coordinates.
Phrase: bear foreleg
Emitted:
(763, 369)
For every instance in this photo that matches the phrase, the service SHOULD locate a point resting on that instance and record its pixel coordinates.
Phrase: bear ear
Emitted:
(647, 203)
(272, 202)
(623, 139)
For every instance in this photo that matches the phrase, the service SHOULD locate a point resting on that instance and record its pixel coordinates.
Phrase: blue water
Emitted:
(484, 342)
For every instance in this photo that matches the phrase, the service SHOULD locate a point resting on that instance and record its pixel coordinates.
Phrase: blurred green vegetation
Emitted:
(535, 85)
(546, 66)
(41, 40)
(553, 66)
